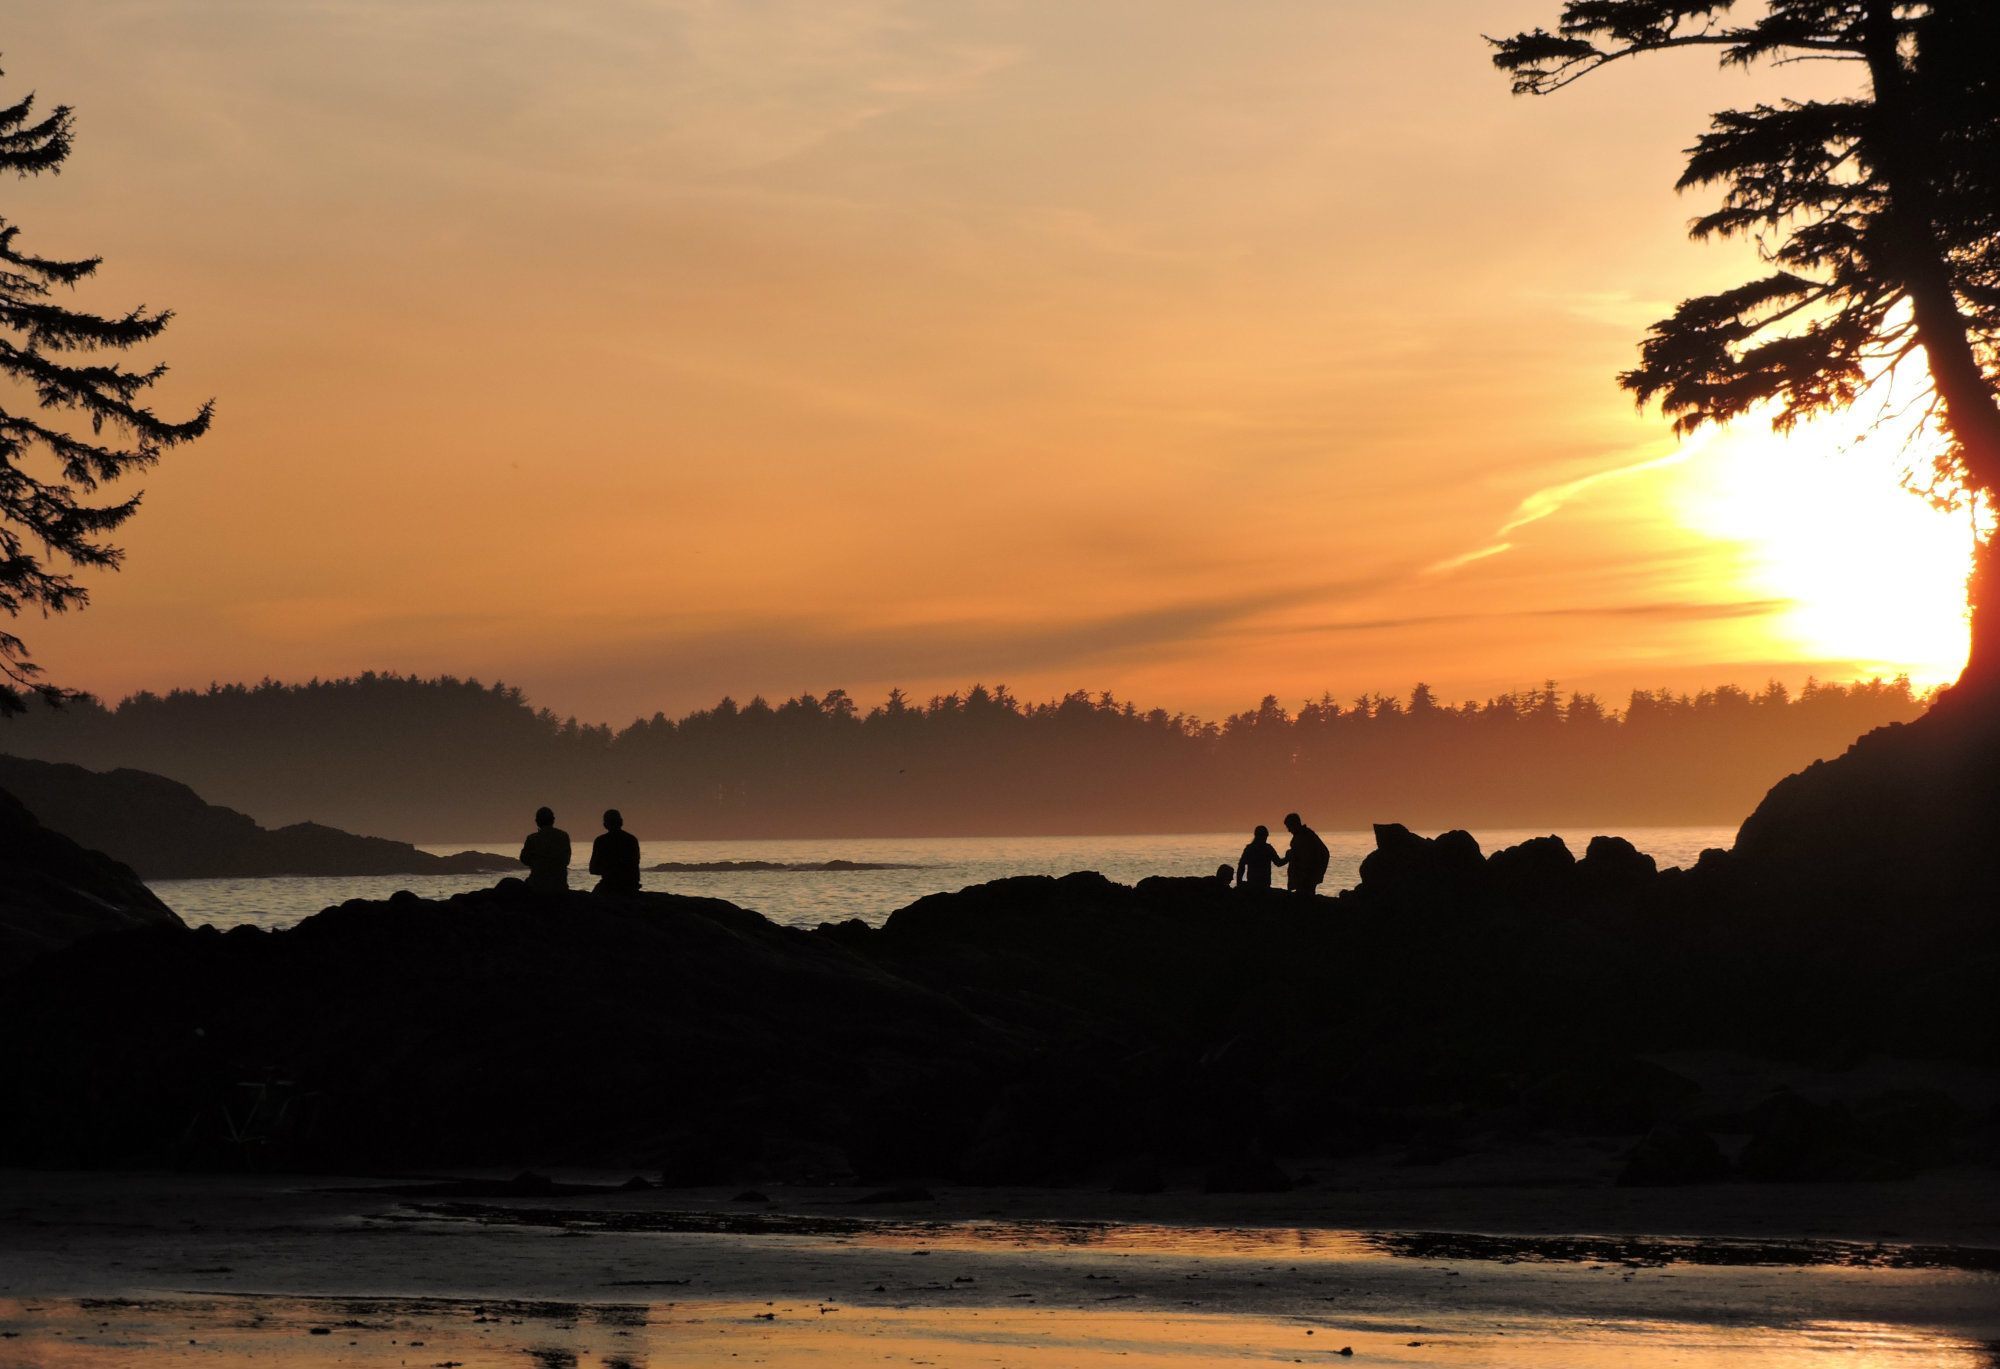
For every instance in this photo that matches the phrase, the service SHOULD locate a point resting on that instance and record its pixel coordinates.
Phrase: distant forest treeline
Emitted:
(449, 759)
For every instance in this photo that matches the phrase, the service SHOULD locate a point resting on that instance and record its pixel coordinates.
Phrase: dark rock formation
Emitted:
(1910, 811)
(1877, 875)
(1039, 1030)
(1796, 1139)
(1609, 1095)
(164, 830)
(1529, 870)
(683, 1034)
(1031, 1030)
(1407, 870)
(1252, 1173)
(1674, 1153)
(53, 891)
(1616, 861)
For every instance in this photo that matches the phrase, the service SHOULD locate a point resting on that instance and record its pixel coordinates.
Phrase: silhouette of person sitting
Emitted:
(546, 854)
(1225, 875)
(614, 857)
(1305, 860)
(1253, 867)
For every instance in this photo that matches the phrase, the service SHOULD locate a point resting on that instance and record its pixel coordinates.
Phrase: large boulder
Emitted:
(1532, 871)
(53, 891)
(1617, 862)
(1796, 1140)
(1408, 871)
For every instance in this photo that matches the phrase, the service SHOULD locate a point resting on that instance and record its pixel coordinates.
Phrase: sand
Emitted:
(115, 1269)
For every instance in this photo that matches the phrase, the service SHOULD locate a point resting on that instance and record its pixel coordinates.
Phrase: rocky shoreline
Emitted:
(1037, 1030)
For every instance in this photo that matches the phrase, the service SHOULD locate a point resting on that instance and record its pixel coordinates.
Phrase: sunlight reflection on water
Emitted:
(316, 1333)
(806, 898)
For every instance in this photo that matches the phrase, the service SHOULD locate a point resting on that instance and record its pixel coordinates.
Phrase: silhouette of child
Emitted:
(1253, 867)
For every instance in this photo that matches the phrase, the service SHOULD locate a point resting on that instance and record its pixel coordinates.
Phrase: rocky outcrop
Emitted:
(164, 830)
(53, 891)
(1910, 811)
(680, 1033)
(1040, 1030)
(1448, 875)
(1032, 1030)
(1674, 1153)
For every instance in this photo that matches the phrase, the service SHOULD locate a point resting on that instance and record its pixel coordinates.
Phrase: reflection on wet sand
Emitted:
(232, 1272)
(1245, 1242)
(224, 1332)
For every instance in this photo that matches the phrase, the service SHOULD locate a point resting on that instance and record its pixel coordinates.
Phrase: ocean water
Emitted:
(805, 898)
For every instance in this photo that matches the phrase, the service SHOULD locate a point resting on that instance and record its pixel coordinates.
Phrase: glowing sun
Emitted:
(1870, 573)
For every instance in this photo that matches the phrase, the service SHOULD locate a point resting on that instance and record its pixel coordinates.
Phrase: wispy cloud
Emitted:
(1451, 563)
(1543, 503)
(784, 655)
(1686, 611)
(1548, 501)
(1689, 610)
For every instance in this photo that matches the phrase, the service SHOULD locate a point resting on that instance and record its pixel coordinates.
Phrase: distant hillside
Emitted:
(452, 760)
(164, 830)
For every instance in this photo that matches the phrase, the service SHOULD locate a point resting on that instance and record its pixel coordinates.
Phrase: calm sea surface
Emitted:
(804, 898)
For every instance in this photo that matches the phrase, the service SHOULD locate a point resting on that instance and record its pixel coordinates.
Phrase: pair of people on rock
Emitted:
(1305, 860)
(614, 856)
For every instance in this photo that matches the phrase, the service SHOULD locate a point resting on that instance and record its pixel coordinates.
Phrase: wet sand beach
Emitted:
(102, 1270)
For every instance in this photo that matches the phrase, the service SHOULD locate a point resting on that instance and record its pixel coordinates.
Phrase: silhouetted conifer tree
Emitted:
(448, 759)
(72, 420)
(1878, 216)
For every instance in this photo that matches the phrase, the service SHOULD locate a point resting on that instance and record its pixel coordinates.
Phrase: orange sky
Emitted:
(638, 351)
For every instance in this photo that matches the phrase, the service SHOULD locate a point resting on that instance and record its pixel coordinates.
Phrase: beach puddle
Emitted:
(441, 1333)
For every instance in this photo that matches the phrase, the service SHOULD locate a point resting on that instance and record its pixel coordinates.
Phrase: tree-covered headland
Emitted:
(448, 759)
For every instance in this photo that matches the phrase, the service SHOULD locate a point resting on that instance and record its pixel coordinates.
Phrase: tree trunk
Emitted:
(1971, 407)
(1972, 419)
(1980, 681)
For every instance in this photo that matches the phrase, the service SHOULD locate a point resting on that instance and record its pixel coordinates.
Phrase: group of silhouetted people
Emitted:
(614, 856)
(1305, 860)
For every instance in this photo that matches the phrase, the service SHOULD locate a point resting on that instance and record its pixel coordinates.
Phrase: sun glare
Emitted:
(1870, 573)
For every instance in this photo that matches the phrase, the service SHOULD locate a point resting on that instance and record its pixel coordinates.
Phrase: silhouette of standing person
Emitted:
(1253, 867)
(546, 854)
(614, 857)
(1305, 860)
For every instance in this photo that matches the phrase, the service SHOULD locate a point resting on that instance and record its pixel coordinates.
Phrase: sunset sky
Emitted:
(639, 351)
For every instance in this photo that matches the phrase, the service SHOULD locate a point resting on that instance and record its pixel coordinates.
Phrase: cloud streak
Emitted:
(1549, 501)
(781, 656)
(1685, 611)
